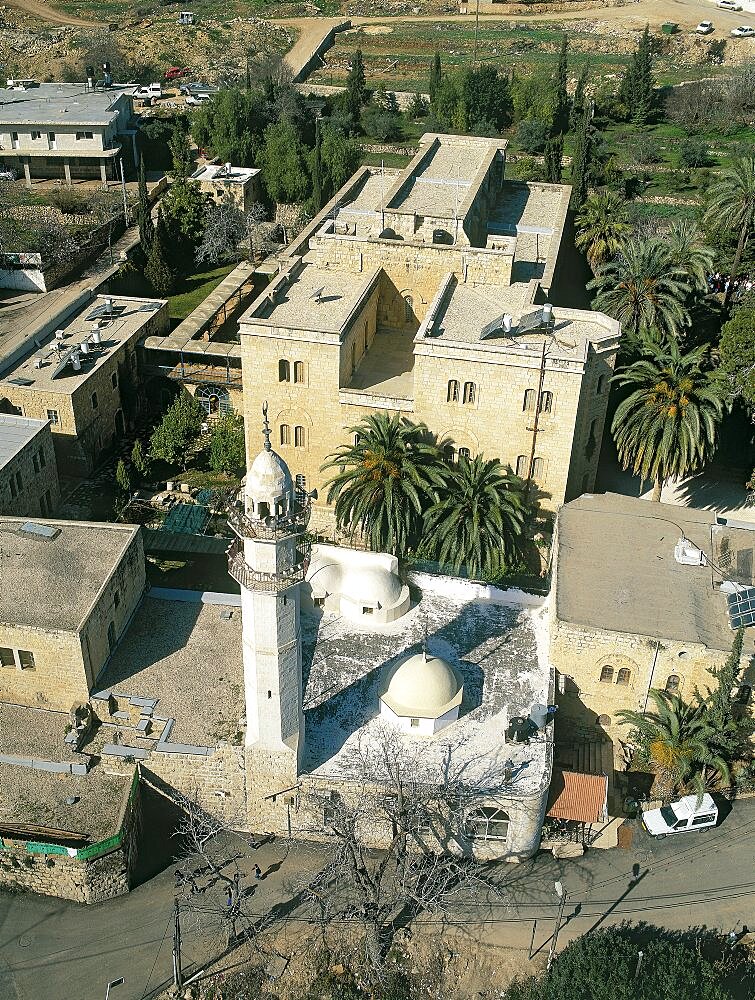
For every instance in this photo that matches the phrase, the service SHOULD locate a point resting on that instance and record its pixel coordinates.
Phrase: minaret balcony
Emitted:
(272, 528)
(253, 579)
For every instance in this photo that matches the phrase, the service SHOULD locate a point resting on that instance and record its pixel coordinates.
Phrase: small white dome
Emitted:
(423, 686)
(372, 586)
(268, 479)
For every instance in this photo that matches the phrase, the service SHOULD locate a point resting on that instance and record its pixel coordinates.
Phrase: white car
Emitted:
(728, 5)
(704, 28)
(198, 98)
(743, 31)
(682, 816)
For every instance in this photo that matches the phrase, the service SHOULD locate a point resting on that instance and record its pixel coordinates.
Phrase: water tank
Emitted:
(507, 322)
(547, 313)
(59, 334)
(96, 337)
(85, 347)
(539, 715)
(76, 362)
(228, 169)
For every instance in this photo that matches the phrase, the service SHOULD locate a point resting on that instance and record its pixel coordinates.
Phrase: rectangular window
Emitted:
(45, 503)
(538, 470)
(85, 135)
(95, 401)
(13, 490)
(26, 659)
(299, 372)
(53, 416)
(42, 459)
(298, 437)
(35, 462)
(522, 463)
(36, 135)
(114, 380)
(414, 723)
(116, 599)
(19, 482)
(6, 657)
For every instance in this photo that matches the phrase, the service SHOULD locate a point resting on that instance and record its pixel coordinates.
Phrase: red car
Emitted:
(176, 72)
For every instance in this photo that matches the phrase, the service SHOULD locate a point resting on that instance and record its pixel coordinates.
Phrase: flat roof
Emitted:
(189, 657)
(616, 571)
(498, 647)
(16, 433)
(57, 580)
(465, 310)
(60, 104)
(295, 303)
(125, 321)
(217, 173)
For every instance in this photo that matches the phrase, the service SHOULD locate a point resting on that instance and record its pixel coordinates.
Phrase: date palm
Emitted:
(479, 519)
(668, 425)
(643, 287)
(731, 206)
(687, 250)
(385, 481)
(679, 742)
(602, 226)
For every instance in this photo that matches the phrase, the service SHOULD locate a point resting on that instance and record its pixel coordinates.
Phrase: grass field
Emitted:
(194, 289)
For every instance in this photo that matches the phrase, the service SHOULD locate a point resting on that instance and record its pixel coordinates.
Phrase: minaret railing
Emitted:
(253, 579)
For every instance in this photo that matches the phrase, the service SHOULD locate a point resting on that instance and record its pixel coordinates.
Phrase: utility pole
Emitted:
(554, 940)
(177, 974)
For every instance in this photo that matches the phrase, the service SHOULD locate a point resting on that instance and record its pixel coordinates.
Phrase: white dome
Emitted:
(268, 479)
(423, 686)
(371, 586)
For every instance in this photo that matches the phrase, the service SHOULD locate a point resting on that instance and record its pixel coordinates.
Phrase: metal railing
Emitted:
(253, 579)
(279, 527)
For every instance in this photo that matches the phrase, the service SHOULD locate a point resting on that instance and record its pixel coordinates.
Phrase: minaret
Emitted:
(268, 565)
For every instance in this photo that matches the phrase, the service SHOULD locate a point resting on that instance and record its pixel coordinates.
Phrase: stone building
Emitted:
(320, 687)
(28, 471)
(66, 130)
(75, 587)
(238, 186)
(424, 293)
(640, 600)
(82, 376)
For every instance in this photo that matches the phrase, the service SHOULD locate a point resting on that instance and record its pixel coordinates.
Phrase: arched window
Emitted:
(357, 439)
(673, 682)
(606, 674)
(546, 402)
(284, 371)
(488, 823)
(464, 453)
(601, 384)
(470, 393)
(522, 463)
(299, 372)
(624, 675)
(298, 437)
(285, 434)
(538, 470)
(449, 453)
(452, 395)
(408, 309)
(529, 401)
(604, 720)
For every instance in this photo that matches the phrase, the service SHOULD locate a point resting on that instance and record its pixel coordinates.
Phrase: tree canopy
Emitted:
(227, 451)
(178, 430)
(284, 163)
(737, 352)
(232, 125)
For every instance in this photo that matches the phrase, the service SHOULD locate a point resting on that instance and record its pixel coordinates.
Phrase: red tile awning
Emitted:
(575, 796)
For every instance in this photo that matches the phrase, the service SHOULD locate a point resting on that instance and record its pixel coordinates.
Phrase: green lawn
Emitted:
(194, 288)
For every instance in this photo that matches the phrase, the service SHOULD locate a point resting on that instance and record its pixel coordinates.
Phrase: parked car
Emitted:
(682, 816)
(176, 72)
(743, 31)
(704, 28)
(198, 98)
(729, 5)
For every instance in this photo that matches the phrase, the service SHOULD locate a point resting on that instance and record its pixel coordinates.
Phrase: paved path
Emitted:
(705, 879)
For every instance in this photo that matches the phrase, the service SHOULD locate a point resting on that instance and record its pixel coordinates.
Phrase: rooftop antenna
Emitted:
(266, 427)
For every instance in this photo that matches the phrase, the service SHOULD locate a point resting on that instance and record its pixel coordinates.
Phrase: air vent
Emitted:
(45, 531)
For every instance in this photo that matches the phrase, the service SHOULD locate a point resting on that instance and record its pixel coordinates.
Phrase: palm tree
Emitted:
(678, 741)
(688, 251)
(602, 226)
(668, 425)
(731, 206)
(479, 518)
(385, 481)
(642, 288)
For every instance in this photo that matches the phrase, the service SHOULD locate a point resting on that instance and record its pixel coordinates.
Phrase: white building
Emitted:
(452, 679)
(66, 130)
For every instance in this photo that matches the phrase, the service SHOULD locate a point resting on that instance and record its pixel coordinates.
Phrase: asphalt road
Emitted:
(704, 880)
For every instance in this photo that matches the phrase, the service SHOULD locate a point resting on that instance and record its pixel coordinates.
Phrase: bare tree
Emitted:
(259, 231)
(421, 812)
(225, 230)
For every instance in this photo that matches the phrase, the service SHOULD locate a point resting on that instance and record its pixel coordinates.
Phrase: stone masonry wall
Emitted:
(66, 877)
(40, 490)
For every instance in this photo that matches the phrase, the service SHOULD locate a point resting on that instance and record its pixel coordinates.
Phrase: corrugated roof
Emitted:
(575, 796)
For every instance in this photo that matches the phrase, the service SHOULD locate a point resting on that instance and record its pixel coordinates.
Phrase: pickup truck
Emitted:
(688, 813)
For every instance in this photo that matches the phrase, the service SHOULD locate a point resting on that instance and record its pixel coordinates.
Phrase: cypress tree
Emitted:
(578, 101)
(158, 270)
(269, 89)
(561, 115)
(636, 91)
(436, 75)
(554, 151)
(356, 86)
(317, 169)
(580, 164)
(727, 676)
(143, 211)
(248, 75)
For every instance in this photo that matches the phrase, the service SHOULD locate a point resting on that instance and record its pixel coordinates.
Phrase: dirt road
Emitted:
(50, 14)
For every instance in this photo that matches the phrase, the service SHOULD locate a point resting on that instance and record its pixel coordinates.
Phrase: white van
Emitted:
(679, 817)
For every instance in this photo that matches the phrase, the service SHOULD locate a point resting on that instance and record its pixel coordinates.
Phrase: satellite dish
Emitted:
(317, 294)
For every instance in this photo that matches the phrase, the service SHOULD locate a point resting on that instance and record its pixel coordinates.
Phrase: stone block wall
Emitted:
(39, 494)
(217, 783)
(66, 877)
